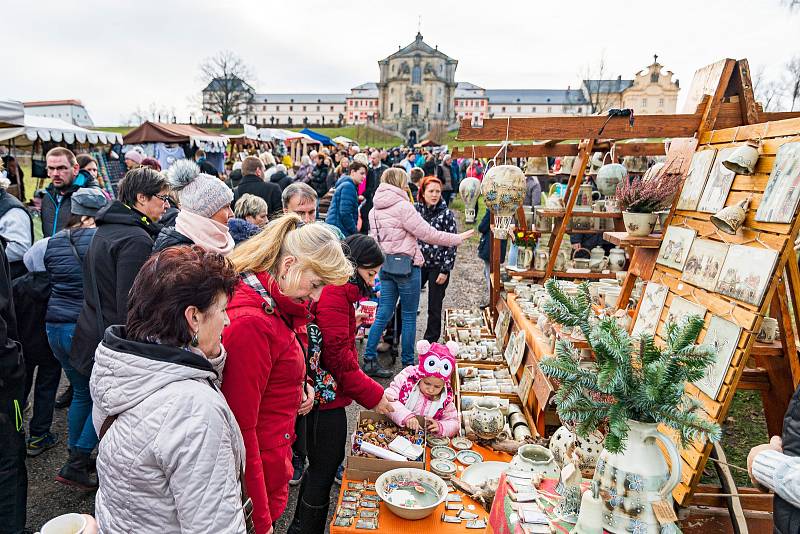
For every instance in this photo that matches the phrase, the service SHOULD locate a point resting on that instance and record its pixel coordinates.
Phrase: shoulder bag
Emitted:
(395, 264)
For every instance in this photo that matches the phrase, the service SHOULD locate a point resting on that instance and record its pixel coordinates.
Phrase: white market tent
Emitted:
(298, 142)
(57, 130)
(12, 118)
(342, 140)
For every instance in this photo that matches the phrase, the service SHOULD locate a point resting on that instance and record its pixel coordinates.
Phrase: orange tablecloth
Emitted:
(433, 524)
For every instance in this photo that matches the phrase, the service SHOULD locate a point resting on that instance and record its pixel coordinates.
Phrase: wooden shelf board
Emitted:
(767, 349)
(562, 274)
(577, 213)
(622, 239)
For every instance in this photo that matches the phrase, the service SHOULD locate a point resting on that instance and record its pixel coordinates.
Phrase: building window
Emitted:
(533, 109)
(304, 108)
(644, 102)
(391, 106)
(580, 110)
(503, 109)
(661, 102)
(263, 120)
(519, 109)
(416, 75)
(277, 108)
(439, 107)
(263, 108)
(549, 109)
(291, 108)
(654, 77)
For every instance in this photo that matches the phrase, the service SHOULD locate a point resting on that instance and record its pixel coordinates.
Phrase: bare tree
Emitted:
(596, 88)
(768, 92)
(792, 70)
(228, 92)
(791, 4)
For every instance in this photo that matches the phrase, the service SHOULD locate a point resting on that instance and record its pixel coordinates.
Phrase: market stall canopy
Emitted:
(12, 113)
(324, 139)
(284, 135)
(342, 140)
(57, 130)
(159, 132)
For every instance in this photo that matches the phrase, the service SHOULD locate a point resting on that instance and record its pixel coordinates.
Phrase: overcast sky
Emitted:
(120, 56)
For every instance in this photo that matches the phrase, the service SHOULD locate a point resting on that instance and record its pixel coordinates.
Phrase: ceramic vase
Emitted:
(535, 460)
(616, 259)
(486, 419)
(586, 449)
(639, 224)
(630, 481)
(524, 258)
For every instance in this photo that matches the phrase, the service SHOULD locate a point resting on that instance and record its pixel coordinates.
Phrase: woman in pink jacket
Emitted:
(425, 390)
(396, 226)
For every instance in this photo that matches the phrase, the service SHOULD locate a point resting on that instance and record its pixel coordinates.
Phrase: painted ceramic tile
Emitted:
(723, 336)
(501, 327)
(650, 309)
(680, 308)
(718, 185)
(779, 202)
(696, 179)
(515, 350)
(675, 247)
(746, 273)
(704, 263)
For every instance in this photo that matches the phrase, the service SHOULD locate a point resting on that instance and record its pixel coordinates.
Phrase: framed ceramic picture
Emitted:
(501, 328)
(696, 179)
(680, 308)
(515, 350)
(723, 337)
(650, 309)
(718, 185)
(524, 388)
(746, 273)
(779, 203)
(704, 263)
(675, 247)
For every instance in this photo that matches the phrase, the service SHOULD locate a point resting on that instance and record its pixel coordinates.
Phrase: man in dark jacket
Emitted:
(444, 172)
(374, 173)
(13, 475)
(343, 211)
(121, 245)
(63, 170)
(319, 176)
(253, 183)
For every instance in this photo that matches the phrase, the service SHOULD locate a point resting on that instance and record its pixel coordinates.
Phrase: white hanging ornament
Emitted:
(503, 191)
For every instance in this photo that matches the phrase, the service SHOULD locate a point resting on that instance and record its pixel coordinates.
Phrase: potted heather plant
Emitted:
(641, 197)
(632, 386)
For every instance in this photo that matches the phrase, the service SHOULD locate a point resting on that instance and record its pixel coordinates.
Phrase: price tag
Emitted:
(665, 514)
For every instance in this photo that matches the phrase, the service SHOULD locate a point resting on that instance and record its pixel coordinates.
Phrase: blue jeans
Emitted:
(407, 289)
(81, 434)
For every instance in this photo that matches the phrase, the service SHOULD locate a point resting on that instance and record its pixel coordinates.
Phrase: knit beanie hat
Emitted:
(87, 201)
(135, 156)
(198, 193)
(436, 359)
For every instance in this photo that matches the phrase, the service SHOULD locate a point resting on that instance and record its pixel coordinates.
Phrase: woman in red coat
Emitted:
(326, 431)
(284, 269)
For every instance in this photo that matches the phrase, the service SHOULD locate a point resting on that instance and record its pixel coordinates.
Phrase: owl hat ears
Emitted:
(436, 359)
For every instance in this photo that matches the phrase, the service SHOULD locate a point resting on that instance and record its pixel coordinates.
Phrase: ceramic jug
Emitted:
(597, 265)
(561, 260)
(616, 259)
(585, 198)
(540, 260)
(632, 480)
(486, 419)
(536, 460)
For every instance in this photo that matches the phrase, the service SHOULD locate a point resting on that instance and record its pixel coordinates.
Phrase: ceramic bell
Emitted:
(590, 519)
(730, 218)
(744, 158)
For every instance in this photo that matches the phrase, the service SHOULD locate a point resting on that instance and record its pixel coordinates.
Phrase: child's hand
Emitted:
(412, 423)
(433, 426)
(360, 316)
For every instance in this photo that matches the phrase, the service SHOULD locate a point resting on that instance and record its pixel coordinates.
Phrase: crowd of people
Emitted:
(206, 323)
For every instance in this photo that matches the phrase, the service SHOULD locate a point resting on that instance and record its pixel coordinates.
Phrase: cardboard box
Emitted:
(363, 468)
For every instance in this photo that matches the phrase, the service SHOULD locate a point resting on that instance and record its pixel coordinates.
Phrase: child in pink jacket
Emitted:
(425, 390)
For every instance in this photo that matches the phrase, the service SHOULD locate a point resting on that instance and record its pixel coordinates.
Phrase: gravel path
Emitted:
(47, 498)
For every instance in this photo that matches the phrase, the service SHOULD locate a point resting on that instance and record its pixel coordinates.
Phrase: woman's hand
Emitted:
(384, 407)
(308, 400)
(432, 426)
(412, 424)
(360, 316)
(441, 279)
(466, 235)
(774, 444)
(91, 525)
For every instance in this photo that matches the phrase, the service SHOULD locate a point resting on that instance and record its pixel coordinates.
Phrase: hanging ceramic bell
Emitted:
(503, 189)
(730, 218)
(743, 159)
(590, 519)
(609, 176)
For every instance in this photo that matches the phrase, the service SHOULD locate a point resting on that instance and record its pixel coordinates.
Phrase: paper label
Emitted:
(664, 512)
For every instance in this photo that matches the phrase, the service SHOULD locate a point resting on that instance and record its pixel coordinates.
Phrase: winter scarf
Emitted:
(208, 234)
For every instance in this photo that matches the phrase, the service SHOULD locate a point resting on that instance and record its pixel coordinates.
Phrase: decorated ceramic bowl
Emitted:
(443, 468)
(411, 493)
(442, 452)
(469, 457)
(460, 443)
(438, 441)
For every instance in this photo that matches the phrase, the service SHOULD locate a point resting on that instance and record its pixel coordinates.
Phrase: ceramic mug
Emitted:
(599, 205)
(768, 331)
(65, 524)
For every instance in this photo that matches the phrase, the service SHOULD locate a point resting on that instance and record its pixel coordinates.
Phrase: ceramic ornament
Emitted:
(469, 190)
(503, 191)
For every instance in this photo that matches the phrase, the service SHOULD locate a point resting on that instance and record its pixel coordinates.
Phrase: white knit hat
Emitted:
(198, 193)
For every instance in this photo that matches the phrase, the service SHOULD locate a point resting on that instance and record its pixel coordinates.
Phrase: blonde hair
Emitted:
(396, 177)
(250, 205)
(316, 248)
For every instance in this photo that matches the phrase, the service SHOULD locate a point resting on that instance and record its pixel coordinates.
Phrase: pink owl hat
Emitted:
(436, 359)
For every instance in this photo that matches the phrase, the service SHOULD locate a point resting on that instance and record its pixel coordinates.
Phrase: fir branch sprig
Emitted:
(634, 378)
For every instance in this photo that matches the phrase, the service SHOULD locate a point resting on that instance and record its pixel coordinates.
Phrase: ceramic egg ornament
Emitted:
(503, 190)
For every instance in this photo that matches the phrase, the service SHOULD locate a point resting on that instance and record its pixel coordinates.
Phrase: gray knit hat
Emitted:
(198, 193)
(87, 201)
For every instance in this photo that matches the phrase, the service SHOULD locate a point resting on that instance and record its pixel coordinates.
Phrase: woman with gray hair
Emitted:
(305, 169)
(251, 216)
(280, 176)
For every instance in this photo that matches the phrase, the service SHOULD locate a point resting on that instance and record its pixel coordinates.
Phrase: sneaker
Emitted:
(339, 474)
(65, 399)
(38, 444)
(371, 368)
(299, 465)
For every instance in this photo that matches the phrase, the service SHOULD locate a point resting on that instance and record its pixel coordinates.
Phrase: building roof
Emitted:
(364, 86)
(536, 96)
(237, 84)
(419, 46)
(607, 86)
(42, 103)
(365, 90)
(468, 90)
(300, 98)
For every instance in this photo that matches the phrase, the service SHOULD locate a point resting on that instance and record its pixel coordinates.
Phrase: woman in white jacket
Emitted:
(171, 454)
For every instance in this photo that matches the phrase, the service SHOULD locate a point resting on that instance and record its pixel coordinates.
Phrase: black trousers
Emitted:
(13, 474)
(326, 435)
(433, 330)
(44, 393)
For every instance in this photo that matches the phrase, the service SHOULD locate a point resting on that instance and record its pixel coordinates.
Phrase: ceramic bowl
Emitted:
(478, 474)
(443, 468)
(469, 457)
(461, 443)
(442, 452)
(437, 441)
(431, 480)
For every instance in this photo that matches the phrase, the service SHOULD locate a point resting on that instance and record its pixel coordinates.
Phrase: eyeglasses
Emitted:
(162, 198)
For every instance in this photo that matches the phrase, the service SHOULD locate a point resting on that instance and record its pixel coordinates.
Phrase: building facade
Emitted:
(71, 111)
(417, 88)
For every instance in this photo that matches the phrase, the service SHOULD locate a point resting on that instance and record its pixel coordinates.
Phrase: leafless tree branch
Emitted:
(232, 88)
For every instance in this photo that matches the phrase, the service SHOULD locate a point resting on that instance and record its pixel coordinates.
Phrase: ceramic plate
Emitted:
(443, 468)
(437, 441)
(469, 457)
(443, 453)
(478, 474)
(461, 443)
